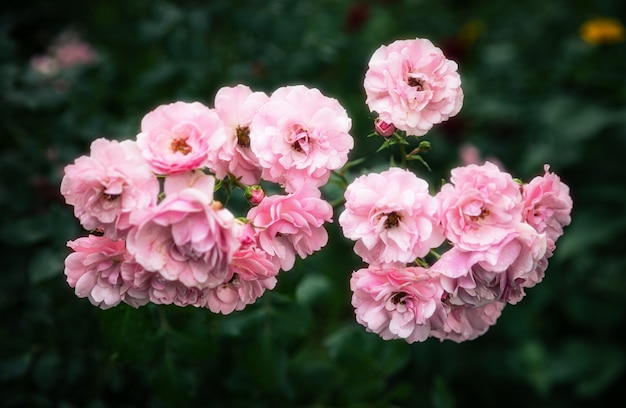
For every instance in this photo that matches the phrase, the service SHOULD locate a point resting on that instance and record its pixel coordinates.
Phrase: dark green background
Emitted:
(535, 93)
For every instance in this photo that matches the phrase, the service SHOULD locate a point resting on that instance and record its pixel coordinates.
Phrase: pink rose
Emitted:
(186, 238)
(547, 206)
(300, 136)
(480, 206)
(108, 185)
(167, 292)
(290, 224)
(94, 270)
(412, 85)
(467, 323)
(252, 273)
(177, 137)
(498, 273)
(391, 216)
(236, 107)
(397, 302)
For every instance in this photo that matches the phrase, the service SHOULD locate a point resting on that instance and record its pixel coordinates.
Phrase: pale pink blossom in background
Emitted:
(411, 84)
(479, 207)
(44, 65)
(108, 185)
(547, 206)
(72, 51)
(498, 273)
(300, 136)
(291, 224)
(236, 106)
(179, 136)
(465, 323)
(186, 238)
(391, 216)
(94, 271)
(397, 302)
(67, 51)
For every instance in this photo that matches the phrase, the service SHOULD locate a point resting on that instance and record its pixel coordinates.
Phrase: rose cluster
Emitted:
(497, 235)
(157, 231)
(441, 265)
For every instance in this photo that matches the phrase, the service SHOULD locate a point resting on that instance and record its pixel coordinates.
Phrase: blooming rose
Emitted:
(397, 302)
(411, 84)
(108, 185)
(480, 206)
(178, 137)
(391, 216)
(292, 223)
(299, 136)
(547, 205)
(498, 273)
(94, 270)
(252, 273)
(167, 292)
(236, 106)
(467, 323)
(186, 238)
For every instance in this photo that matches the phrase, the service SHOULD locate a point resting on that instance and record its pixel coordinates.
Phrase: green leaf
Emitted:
(46, 264)
(312, 288)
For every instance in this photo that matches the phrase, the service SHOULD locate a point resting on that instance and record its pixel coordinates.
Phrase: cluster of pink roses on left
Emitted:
(158, 233)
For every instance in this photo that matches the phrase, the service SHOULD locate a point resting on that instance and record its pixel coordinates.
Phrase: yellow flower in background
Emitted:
(602, 30)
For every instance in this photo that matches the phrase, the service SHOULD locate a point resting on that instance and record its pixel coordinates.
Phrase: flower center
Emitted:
(110, 197)
(180, 145)
(243, 136)
(300, 139)
(418, 84)
(483, 214)
(393, 219)
(398, 297)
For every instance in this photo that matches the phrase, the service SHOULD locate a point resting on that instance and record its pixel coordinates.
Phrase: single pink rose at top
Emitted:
(291, 224)
(180, 137)
(498, 273)
(480, 206)
(94, 270)
(547, 205)
(411, 84)
(108, 185)
(397, 302)
(187, 237)
(300, 136)
(465, 323)
(236, 106)
(391, 216)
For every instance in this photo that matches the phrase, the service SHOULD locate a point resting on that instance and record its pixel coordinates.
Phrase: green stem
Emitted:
(403, 156)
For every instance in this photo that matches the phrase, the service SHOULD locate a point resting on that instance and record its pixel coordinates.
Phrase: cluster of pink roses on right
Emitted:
(497, 236)
(442, 265)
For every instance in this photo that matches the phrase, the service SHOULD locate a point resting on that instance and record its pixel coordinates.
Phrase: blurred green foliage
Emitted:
(535, 93)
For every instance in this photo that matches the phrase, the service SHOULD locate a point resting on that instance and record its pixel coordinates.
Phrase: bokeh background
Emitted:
(544, 82)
